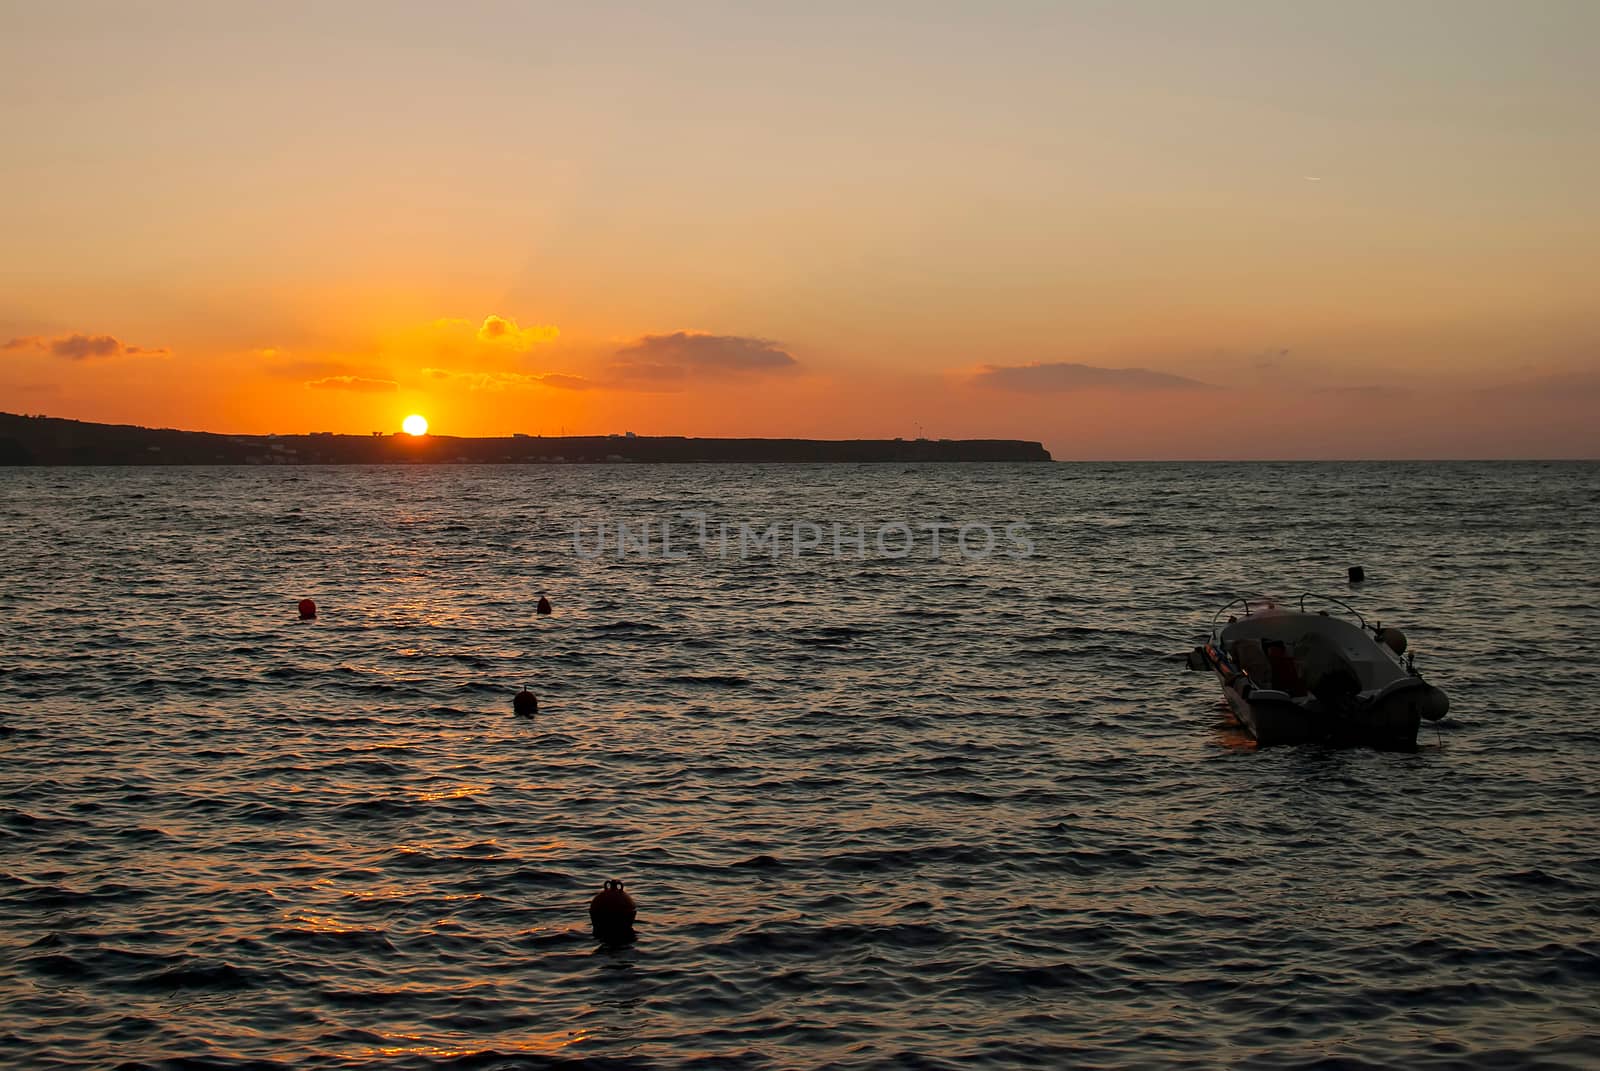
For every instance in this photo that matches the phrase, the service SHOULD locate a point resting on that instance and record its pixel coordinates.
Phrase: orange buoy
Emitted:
(525, 703)
(612, 912)
(308, 609)
(544, 605)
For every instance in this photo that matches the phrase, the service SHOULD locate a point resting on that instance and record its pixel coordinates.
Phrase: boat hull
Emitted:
(1274, 718)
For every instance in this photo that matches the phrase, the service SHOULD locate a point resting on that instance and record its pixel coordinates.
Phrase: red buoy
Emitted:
(308, 609)
(525, 703)
(544, 605)
(612, 912)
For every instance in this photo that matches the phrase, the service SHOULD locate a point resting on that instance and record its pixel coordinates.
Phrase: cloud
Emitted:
(500, 381)
(329, 374)
(1364, 392)
(318, 369)
(362, 384)
(649, 372)
(502, 330)
(684, 354)
(1557, 387)
(1063, 376)
(80, 347)
(564, 382)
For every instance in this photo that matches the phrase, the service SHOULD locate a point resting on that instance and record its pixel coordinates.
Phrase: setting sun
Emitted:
(415, 424)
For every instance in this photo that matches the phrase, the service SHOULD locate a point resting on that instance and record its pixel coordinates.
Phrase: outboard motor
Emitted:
(1327, 675)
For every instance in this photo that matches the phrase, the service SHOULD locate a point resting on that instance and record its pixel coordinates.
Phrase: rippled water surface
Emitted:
(887, 812)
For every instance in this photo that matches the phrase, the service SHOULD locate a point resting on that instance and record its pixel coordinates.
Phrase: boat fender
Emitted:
(1196, 659)
(1394, 639)
(1433, 704)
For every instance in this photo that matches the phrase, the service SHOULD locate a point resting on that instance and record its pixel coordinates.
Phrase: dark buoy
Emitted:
(612, 913)
(544, 605)
(1357, 574)
(308, 609)
(525, 703)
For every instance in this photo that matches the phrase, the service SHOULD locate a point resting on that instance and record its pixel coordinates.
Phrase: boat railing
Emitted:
(1253, 602)
(1255, 598)
(1304, 595)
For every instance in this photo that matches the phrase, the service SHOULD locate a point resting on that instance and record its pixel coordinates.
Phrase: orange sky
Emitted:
(1240, 229)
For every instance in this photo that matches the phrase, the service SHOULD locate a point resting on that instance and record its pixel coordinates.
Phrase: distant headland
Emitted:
(42, 440)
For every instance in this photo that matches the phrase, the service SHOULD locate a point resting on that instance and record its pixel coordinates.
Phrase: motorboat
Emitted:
(1295, 675)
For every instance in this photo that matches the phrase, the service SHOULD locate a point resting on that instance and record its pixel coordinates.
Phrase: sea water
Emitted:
(877, 809)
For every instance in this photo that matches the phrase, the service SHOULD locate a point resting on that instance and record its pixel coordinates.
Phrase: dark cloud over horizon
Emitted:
(81, 347)
(1066, 376)
(362, 384)
(684, 355)
(498, 381)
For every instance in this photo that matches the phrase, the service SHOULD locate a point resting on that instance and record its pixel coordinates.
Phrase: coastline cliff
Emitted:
(42, 440)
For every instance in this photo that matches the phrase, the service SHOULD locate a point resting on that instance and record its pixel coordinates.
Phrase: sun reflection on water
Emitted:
(459, 792)
(529, 1044)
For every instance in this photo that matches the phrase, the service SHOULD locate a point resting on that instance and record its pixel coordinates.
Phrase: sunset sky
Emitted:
(1221, 229)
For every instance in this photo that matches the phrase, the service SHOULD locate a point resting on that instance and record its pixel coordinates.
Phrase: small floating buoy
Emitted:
(1357, 574)
(525, 703)
(308, 609)
(544, 605)
(612, 912)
